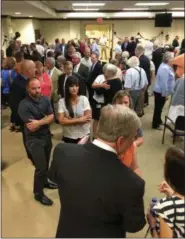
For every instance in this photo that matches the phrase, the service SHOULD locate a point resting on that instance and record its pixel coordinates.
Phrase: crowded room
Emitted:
(92, 119)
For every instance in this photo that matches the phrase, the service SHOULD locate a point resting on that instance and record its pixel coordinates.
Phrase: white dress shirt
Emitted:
(104, 146)
(76, 68)
(103, 41)
(99, 98)
(40, 49)
(132, 78)
(87, 62)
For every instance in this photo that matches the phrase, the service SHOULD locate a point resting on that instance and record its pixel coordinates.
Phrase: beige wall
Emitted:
(75, 28)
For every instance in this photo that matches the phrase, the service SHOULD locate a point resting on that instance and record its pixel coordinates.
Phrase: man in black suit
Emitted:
(68, 71)
(157, 57)
(100, 196)
(96, 70)
(18, 93)
(131, 47)
(125, 44)
(63, 47)
(80, 68)
(175, 42)
(145, 64)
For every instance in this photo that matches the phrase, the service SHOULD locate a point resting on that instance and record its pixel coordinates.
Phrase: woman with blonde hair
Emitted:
(44, 78)
(129, 157)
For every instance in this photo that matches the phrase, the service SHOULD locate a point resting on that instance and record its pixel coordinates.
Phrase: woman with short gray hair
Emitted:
(163, 87)
(136, 82)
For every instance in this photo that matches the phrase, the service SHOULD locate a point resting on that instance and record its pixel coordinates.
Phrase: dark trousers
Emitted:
(54, 111)
(25, 145)
(146, 100)
(40, 150)
(158, 107)
(5, 99)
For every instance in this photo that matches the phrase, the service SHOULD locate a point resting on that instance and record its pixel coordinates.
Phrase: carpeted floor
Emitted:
(24, 217)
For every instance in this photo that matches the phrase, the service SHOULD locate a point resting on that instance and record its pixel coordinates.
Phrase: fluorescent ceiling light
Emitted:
(151, 3)
(85, 14)
(30, 16)
(177, 14)
(88, 4)
(17, 13)
(177, 8)
(85, 9)
(133, 14)
(135, 9)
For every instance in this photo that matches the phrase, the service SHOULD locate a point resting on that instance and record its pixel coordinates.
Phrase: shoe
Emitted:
(159, 128)
(51, 186)
(43, 199)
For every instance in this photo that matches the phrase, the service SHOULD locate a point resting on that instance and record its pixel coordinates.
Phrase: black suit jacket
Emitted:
(83, 71)
(145, 64)
(175, 43)
(131, 48)
(61, 81)
(100, 196)
(97, 70)
(157, 57)
(115, 86)
(17, 94)
(123, 47)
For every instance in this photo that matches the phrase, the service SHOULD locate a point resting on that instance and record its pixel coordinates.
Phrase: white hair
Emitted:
(117, 121)
(51, 60)
(133, 62)
(77, 55)
(167, 57)
(110, 69)
(139, 50)
(125, 54)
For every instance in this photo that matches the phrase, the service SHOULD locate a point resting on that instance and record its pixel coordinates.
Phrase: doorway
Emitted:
(97, 31)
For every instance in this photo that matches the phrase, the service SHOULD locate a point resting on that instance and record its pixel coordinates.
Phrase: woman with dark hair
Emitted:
(74, 112)
(169, 220)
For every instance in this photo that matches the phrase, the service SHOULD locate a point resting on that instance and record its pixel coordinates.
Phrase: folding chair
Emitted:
(177, 128)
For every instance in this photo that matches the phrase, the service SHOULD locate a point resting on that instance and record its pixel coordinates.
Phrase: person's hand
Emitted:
(33, 125)
(151, 220)
(166, 189)
(106, 86)
(86, 118)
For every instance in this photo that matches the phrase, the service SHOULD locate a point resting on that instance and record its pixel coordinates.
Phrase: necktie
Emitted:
(92, 67)
(49, 72)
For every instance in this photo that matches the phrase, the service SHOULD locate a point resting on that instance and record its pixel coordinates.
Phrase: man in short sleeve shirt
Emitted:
(37, 114)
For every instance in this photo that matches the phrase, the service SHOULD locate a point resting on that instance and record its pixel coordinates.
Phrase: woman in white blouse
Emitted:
(74, 113)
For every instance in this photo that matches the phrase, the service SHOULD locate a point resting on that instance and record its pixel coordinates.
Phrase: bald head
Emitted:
(27, 68)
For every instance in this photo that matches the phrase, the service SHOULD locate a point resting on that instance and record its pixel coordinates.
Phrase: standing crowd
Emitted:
(69, 85)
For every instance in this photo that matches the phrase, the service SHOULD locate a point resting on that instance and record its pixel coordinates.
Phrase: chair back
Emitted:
(180, 123)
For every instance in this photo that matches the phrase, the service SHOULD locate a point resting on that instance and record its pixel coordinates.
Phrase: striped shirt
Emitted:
(172, 211)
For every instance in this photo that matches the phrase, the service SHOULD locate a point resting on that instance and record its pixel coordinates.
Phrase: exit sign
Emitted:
(99, 19)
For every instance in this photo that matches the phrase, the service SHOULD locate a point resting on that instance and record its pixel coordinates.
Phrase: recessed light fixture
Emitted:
(151, 3)
(135, 9)
(30, 16)
(86, 9)
(178, 8)
(17, 13)
(88, 4)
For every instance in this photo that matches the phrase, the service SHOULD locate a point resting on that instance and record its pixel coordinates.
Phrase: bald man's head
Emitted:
(28, 68)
